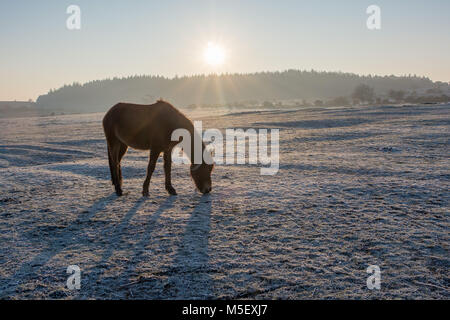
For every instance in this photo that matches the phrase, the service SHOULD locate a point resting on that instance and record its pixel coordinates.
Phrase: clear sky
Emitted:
(121, 38)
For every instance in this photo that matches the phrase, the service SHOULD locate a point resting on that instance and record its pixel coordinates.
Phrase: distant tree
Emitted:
(434, 91)
(396, 95)
(305, 103)
(318, 103)
(267, 104)
(363, 93)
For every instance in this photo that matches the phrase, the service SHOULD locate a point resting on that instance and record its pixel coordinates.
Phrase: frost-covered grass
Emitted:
(356, 187)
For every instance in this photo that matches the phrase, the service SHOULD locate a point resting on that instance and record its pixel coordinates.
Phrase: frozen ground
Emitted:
(356, 187)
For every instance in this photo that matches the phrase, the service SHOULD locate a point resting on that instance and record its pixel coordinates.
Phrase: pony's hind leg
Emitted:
(111, 167)
(122, 150)
(116, 150)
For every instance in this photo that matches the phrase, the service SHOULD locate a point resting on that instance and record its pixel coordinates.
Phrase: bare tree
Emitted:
(363, 93)
(397, 95)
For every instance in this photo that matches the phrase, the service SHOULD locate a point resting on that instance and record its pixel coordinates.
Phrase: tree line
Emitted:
(311, 87)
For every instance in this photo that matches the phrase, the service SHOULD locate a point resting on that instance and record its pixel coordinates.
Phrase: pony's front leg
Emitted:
(167, 171)
(150, 168)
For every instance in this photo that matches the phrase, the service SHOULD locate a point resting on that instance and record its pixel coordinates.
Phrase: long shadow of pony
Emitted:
(189, 275)
(93, 277)
(29, 270)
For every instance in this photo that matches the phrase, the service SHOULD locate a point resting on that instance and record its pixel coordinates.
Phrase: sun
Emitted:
(214, 54)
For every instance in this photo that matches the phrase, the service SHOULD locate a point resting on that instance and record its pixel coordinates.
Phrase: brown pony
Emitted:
(149, 127)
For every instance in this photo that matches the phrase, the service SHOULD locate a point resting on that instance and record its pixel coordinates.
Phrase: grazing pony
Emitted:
(150, 127)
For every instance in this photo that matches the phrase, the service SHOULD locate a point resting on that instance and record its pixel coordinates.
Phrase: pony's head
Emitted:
(201, 174)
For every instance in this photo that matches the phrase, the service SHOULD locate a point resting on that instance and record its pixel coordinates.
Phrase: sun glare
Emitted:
(214, 54)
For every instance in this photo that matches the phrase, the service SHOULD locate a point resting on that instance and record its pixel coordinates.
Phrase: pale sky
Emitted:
(122, 38)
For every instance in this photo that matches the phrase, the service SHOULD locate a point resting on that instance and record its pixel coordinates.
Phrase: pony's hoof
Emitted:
(145, 193)
(171, 191)
(119, 192)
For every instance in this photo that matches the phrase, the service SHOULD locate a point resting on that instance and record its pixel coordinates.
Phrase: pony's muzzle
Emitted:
(206, 190)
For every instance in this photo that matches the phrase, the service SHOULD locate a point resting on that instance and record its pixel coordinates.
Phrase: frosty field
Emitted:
(356, 187)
